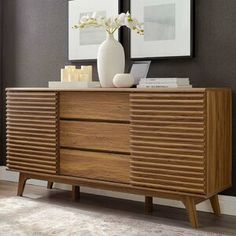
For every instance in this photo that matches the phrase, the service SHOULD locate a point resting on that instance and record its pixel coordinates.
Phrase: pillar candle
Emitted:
(73, 75)
(64, 75)
(78, 74)
(84, 77)
(70, 67)
(89, 71)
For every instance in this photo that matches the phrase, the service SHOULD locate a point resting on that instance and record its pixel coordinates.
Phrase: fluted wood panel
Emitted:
(32, 142)
(168, 141)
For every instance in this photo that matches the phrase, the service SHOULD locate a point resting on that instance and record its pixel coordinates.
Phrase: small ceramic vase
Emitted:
(123, 80)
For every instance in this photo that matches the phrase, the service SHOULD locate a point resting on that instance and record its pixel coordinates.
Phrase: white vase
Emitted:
(110, 61)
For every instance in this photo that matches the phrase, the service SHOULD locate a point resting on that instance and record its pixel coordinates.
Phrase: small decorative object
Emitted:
(140, 70)
(164, 83)
(72, 74)
(83, 45)
(123, 80)
(73, 85)
(168, 28)
(68, 74)
(86, 72)
(111, 56)
(64, 75)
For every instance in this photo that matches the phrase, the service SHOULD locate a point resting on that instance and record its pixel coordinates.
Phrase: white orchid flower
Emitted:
(94, 15)
(114, 23)
(121, 19)
(84, 19)
(131, 22)
(110, 24)
(101, 20)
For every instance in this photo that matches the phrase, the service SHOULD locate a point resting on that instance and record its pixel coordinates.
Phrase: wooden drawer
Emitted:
(99, 166)
(95, 136)
(111, 106)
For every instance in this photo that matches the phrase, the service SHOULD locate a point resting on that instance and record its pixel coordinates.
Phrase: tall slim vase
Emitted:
(110, 61)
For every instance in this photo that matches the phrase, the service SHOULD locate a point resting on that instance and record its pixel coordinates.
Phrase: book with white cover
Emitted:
(162, 86)
(177, 81)
(73, 85)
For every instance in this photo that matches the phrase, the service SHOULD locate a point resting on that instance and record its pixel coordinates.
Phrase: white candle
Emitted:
(89, 71)
(84, 77)
(64, 75)
(78, 71)
(70, 67)
(73, 75)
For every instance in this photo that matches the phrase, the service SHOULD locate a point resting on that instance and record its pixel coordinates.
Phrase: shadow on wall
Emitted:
(1, 85)
(8, 65)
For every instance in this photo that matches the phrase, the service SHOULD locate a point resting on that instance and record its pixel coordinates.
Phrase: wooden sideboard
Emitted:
(168, 143)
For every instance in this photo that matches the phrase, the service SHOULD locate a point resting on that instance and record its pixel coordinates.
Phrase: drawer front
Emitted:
(95, 136)
(94, 105)
(98, 166)
(32, 121)
(168, 141)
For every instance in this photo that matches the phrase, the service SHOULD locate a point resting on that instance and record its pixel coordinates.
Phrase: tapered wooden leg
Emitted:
(49, 185)
(148, 205)
(75, 192)
(21, 184)
(192, 211)
(215, 205)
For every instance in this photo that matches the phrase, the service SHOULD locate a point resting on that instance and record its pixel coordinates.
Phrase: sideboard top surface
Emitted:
(187, 90)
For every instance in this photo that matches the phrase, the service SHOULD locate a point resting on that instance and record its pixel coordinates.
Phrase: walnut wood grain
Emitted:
(32, 142)
(219, 140)
(215, 205)
(21, 184)
(111, 186)
(101, 166)
(148, 205)
(192, 211)
(49, 185)
(168, 141)
(75, 192)
(179, 141)
(93, 135)
(95, 106)
(114, 90)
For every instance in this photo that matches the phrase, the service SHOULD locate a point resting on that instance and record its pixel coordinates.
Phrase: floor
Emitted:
(162, 214)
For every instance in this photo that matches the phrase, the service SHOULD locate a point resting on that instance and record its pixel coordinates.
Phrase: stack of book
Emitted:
(164, 83)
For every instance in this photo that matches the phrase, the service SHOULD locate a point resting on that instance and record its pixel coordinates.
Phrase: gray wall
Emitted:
(35, 46)
(1, 105)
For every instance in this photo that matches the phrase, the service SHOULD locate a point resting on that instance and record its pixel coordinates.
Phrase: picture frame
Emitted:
(139, 70)
(83, 44)
(173, 34)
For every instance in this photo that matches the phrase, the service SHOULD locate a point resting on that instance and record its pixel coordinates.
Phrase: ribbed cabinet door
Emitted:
(168, 141)
(32, 124)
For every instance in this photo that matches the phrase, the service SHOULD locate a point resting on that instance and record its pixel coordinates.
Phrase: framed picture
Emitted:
(168, 28)
(139, 70)
(84, 44)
